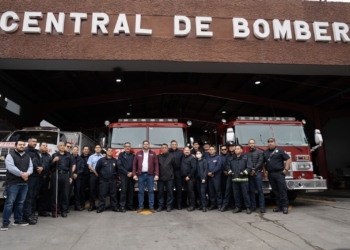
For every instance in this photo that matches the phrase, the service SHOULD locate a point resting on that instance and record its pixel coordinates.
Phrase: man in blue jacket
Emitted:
(240, 167)
(214, 179)
(125, 161)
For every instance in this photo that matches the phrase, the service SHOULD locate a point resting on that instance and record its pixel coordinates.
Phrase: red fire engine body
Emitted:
(289, 135)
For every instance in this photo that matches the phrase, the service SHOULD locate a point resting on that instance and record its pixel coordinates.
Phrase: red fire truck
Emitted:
(289, 135)
(135, 131)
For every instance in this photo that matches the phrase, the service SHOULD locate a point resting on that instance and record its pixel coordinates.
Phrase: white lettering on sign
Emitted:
(78, 17)
(122, 25)
(99, 21)
(283, 31)
(52, 21)
(265, 27)
(10, 22)
(240, 28)
(139, 30)
(202, 26)
(30, 22)
(186, 21)
(320, 31)
(5, 19)
(302, 31)
(340, 31)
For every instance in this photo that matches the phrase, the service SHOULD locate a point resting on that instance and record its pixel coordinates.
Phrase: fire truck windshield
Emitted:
(41, 136)
(156, 136)
(134, 135)
(284, 134)
(159, 135)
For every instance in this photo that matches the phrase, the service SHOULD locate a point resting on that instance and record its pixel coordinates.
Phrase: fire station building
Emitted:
(76, 64)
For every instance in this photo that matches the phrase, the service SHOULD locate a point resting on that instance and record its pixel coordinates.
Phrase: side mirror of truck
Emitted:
(103, 142)
(318, 137)
(230, 135)
(191, 141)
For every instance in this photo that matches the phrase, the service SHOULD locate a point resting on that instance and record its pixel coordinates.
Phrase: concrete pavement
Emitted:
(314, 222)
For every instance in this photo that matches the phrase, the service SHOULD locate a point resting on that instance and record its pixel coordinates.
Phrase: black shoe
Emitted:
(223, 209)
(100, 210)
(219, 208)
(211, 208)
(262, 210)
(190, 209)
(67, 211)
(34, 217)
(249, 211)
(236, 210)
(152, 210)
(91, 208)
(277, 209)
(199, 208)
(179, 207)
(20, 223)
(4, 227)
(122, 209)
(30, 221)
(78, 209)
(116, 209)
(159, 209)
(168, 209)
(64, 214)
(44, 214)
(253, 209)
(130, 209)
(204, 209)
(285, 210)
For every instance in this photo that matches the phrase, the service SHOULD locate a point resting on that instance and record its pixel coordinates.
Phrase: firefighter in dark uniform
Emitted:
(33, 181)
(44, 180)
(274, 159)
(107, 169)
(178, 154)
(228, 199)
(61, 165)
(125, 161)
(77, 176)
(85, 178)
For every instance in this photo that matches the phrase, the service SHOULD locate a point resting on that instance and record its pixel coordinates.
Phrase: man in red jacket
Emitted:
(145, 170)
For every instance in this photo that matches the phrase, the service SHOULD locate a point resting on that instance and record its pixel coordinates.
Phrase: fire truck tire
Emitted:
(292, 195)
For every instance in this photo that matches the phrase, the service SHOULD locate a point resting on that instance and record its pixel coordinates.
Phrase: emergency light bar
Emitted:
(41, 128)
(259, 118)
(148, 120)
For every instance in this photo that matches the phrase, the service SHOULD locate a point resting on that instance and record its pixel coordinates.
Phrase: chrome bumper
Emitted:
(300, 184)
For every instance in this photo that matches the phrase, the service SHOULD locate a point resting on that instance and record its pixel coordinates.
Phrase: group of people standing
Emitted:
(230, 177)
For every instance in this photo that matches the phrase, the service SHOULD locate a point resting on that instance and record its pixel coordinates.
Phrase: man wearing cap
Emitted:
(228, 198)
(214, 179)
(206, 147)
(277, 163)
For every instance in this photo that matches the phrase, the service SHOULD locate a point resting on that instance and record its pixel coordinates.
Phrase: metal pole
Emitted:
(56, 189)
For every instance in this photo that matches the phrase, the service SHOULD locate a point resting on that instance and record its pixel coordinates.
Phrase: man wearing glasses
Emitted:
(274, 159)
(94, 181)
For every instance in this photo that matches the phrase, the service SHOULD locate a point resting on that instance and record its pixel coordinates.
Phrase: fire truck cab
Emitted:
(135, 131)
(289, 135)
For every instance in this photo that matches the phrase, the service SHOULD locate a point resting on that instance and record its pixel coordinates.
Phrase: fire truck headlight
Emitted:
(304, 166)
(189, 123)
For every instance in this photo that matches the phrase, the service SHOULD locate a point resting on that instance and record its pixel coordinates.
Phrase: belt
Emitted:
(275, 171)
(63, 171)
(145, 172)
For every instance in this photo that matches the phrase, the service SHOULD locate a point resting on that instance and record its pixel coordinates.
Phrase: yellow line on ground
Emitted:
(313, 200)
